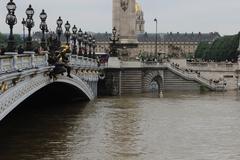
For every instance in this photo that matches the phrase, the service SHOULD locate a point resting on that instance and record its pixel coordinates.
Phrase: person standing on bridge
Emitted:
(20, 50)
(2, 50)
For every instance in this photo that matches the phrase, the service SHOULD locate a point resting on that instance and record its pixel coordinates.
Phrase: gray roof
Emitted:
(102, 37)
(167, 37)
(162, 37)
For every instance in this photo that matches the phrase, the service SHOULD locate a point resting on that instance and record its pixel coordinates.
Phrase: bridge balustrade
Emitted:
(213, 66)
(83, 62)
(12, 63)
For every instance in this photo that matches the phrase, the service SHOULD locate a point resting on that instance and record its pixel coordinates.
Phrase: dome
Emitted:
(138, 7)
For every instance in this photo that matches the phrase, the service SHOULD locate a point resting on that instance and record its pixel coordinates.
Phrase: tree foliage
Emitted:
(222, 49)
(4, 39)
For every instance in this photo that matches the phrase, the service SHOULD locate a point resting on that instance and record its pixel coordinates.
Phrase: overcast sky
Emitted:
(173, 15)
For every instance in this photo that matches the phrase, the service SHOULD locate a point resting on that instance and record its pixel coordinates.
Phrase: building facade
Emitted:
(172, 44)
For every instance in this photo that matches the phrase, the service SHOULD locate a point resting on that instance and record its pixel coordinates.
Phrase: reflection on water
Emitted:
(179, 126)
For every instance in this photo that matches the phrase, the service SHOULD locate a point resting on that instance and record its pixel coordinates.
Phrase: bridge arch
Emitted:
(153, 77)
(16, 95)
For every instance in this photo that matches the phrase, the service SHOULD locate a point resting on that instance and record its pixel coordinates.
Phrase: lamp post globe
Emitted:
(24, 24)
(43, 16)
(90, 46)
(114, 31)
(11, 20)
(74, 29)
(74, 38)
(114, 39)
(59, 21)
(11, 6)
(156, 38)
(94, 48)
(85, 42)
(80, 40)
(67, 32)
(29, 24)
(67, 26)
(59, 30)
(44, 28)
(29, 11)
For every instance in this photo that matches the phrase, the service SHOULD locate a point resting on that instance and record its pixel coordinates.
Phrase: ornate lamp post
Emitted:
(44, 28)
(29, 25)
(11, 20)
(23, 23)
(156, 40)
(114, 39)
(74, 38)
(90, 46)
(94, 48)
(59, 29)
(80, 40)
(67, 32)
(85, 42)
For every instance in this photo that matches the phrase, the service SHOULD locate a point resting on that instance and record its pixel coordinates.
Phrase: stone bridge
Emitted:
(23, 75)
(123, 77)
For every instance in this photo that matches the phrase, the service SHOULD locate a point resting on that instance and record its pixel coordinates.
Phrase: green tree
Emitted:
(224, 48)
(201, 49)
(3, 39)
(18, 39)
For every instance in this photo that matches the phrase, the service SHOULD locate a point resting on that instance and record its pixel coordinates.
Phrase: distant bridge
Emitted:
(23, 75)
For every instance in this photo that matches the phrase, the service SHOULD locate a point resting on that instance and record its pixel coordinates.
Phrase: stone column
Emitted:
(124, 19)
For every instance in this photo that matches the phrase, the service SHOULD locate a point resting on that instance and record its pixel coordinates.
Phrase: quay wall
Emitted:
(226, 71)
(137, 80)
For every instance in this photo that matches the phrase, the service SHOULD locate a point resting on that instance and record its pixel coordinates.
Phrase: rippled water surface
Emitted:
(180, 126)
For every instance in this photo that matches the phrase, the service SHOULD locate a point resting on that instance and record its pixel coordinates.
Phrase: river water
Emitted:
(179, 126)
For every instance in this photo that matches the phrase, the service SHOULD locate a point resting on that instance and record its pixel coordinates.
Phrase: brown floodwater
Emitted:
(179, 126)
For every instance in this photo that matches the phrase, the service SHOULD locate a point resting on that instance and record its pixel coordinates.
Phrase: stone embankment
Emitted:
(216, 71)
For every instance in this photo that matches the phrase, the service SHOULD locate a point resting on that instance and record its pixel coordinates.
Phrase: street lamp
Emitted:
(114, 31)
(23, 23)
(44, 28)
(90, 46)
(156, 40)
(67, 32)
(59, 29)
(11, 6)
(114, 39)
(74, 38)
(85, 42)
(94, 47)
(80, 40)
(11, 20)
(29, 24)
